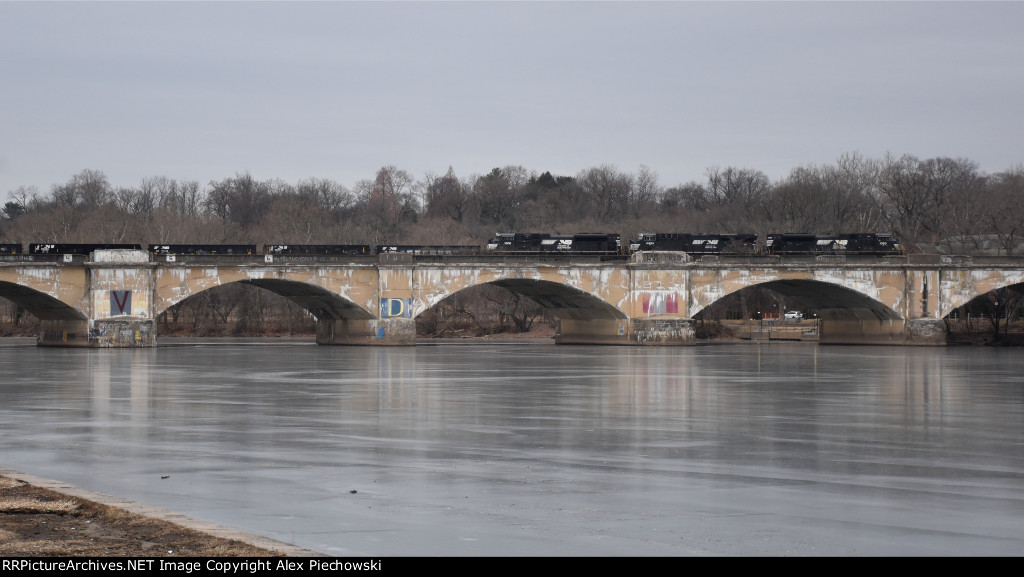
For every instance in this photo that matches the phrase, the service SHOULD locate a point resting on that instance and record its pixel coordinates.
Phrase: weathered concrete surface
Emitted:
(644, 331)
(882, 288)
(349, 292)
(48, 291)
(122, 333)
(662, 332)
(650, 300)
(585, 292)
(958, 286)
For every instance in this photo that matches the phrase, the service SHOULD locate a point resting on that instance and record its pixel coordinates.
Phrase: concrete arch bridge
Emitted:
(112, 298)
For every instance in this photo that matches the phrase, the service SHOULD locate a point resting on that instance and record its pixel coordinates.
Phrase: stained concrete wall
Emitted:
(650, 300)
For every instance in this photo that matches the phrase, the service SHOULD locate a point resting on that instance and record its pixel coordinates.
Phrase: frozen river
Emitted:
(486, 449)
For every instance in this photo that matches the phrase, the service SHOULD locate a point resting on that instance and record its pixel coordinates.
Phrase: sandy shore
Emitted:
(46, 518)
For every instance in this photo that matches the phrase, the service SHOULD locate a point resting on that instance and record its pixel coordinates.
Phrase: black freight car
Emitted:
(10, 249)
(38, 248)
(202, 249)
(433, 250)
(698, 244)
(283, 249)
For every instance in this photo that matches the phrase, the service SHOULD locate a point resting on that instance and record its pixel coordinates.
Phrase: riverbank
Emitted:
(46, 518)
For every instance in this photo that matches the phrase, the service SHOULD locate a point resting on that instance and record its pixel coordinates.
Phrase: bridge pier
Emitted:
(926, 332)
(377, 332)
(643, 331)
(662, 332)
(116, 307)
(97, 333)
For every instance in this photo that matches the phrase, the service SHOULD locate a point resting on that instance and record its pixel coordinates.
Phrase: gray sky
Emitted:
(204, 90)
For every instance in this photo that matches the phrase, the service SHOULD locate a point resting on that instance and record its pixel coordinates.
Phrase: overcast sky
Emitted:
(203, 90)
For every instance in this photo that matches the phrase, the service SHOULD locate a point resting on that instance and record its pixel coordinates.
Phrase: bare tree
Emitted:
(243, 200)
(646, 190)
(385, 201)
(609, 192)
(1001, 208)
(799, 202)
(738, 195)
(916, 194)
(326, 195)
(499, 194)
(448, 196)
(853, 182)
(88, 188)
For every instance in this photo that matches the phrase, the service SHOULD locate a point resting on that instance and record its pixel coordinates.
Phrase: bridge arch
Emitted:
(562, 300)
(829, 300)
(324, 302)
(41, 305)
(568, 296)
(961, 287)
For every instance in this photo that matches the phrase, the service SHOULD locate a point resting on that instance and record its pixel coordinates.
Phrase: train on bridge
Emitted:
(696, 244)
(809, 244)
(518, 243)
(38, 248)
(534, 243)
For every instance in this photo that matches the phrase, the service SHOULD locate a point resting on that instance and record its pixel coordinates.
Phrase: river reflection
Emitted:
(535, 449)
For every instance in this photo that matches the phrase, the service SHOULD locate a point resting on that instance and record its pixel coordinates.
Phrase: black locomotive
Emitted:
(700, 244)
(202, 249)
(283, 249)
(10, 249)
(543, 243)
(871, 244)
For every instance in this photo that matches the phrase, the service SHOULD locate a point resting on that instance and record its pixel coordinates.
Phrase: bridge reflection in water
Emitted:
(111, 298)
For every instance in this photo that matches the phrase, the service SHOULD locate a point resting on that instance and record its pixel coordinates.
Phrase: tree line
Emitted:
(924, 202)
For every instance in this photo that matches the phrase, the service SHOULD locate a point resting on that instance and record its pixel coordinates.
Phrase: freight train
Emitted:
(519, 243)
(781, 244)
